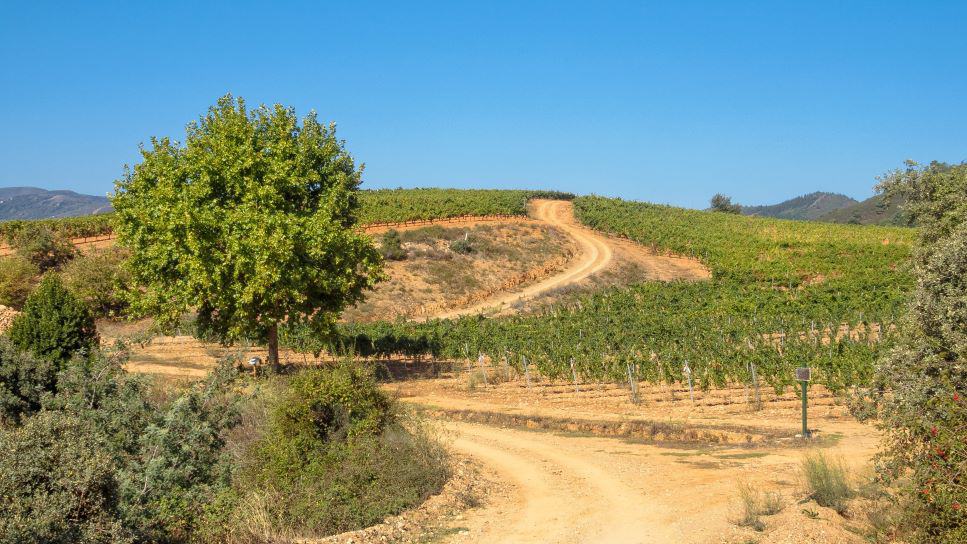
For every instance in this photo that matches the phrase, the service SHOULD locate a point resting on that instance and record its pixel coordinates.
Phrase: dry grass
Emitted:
(827, 481)
(756, 503)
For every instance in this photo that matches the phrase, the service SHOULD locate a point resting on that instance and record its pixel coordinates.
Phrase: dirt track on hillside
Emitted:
(596, 255)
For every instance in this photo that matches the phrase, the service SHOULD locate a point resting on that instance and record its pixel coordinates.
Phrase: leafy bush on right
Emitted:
(925, 412)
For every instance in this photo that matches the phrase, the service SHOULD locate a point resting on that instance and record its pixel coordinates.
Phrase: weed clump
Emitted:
(756, 503)
(827, 481)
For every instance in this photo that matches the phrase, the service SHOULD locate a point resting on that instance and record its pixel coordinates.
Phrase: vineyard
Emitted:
(376, 206)
(783, 294)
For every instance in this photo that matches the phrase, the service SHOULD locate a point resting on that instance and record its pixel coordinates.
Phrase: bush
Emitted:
(101, 455)
(99, 279)
(391, 246)
(24, 381)
(925, 409)
(722, 203)
(18, 276)
(54, 324)
(57, 484)
(756, 503)
(827, 481)
(43, 246)
(336, 456)
(462, 246)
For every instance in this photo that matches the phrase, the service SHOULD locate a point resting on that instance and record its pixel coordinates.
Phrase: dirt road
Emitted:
(570, 489)
(557, 493)
(594, 256)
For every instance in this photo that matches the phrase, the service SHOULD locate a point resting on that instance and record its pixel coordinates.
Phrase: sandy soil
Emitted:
(575, 471)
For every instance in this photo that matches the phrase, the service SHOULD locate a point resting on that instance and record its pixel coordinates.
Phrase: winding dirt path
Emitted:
(594, 256)
(558, 495)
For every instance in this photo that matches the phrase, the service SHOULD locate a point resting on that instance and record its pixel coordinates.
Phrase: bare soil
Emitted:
(592, 466)
(434, 279)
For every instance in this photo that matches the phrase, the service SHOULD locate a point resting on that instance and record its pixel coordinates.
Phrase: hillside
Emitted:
(808, 207)
(872, 211)
(34, 203)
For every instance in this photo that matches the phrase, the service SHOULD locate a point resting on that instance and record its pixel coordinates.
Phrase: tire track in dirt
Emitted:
(559, 495)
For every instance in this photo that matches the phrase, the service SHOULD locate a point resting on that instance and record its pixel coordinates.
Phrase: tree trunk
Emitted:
(274, 348)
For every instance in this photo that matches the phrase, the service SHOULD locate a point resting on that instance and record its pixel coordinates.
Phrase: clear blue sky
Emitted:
(667, 102)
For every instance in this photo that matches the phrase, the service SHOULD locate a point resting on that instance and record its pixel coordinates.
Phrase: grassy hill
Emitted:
(808, 207)
(34, 203)
(872, 211)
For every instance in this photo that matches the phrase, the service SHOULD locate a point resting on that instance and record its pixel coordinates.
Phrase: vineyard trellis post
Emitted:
(632, 386)
(482, 368)
(574, 376)
(688, 374)
(527, 374)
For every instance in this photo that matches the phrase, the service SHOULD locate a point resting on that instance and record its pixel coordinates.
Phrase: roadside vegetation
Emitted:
(90, 453)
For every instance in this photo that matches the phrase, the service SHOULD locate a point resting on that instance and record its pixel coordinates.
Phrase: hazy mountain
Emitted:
(872, 211)
(811, 206)
(34, 203)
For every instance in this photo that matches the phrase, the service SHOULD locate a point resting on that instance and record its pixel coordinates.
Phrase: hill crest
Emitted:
(36, 203)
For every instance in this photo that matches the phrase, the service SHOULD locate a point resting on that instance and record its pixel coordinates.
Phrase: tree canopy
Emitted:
(250, 223)
(722, 203)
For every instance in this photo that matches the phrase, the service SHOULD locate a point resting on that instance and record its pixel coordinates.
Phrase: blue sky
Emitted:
(666, 102)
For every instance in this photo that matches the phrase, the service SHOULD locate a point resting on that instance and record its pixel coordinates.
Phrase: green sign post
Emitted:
(803, 375)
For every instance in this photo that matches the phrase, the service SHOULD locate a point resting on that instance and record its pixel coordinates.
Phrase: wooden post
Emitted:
(480, 366)
(574, 376)
(527, 375)
(631, 385)
(755, 384)
(691, 389)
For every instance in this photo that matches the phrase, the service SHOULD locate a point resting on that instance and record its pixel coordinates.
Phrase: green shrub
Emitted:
(827, 481)
(462, 246)
(43, 246)
(925, 410)
(147, 469)
(99, 280)
(24, 381)
(18, 276)
(336, 456)
(54, 324)
(391, 246)
(57, 484)
(323, 407)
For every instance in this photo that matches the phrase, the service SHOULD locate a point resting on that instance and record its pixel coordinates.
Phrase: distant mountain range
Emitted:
(810, 207)
(34, 203)
(834, 208)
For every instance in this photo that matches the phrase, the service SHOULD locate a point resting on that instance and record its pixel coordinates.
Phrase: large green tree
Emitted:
(925, 376)
(250, 223)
